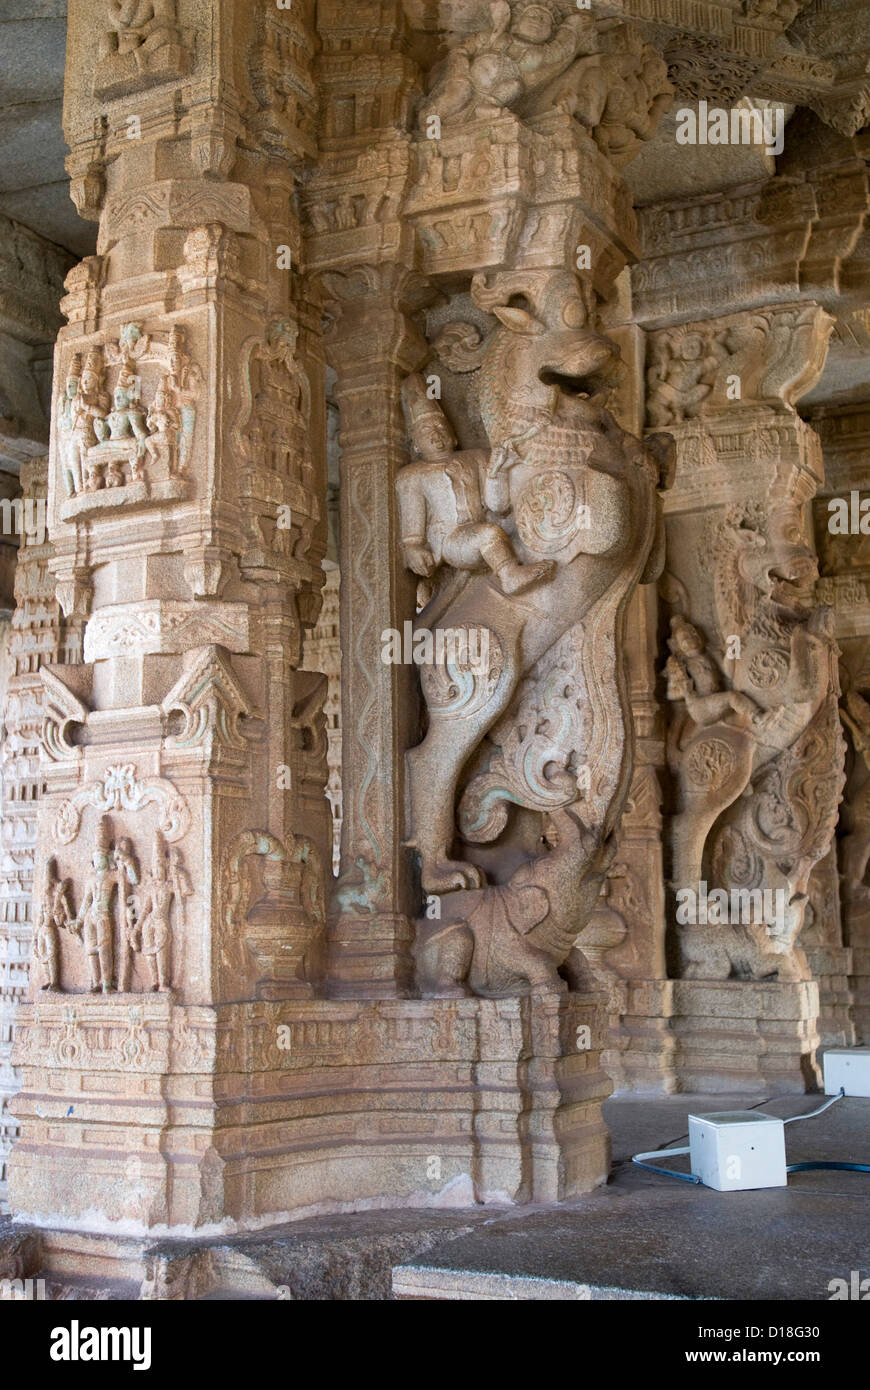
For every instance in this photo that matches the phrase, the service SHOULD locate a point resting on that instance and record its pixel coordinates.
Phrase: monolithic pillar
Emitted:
(182, 837)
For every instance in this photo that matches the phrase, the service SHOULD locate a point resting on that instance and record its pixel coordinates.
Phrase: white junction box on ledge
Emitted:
(847, 1069)
(731, 1150)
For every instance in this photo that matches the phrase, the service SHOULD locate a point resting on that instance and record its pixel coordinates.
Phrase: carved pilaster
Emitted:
(372, 346)
(362, 250)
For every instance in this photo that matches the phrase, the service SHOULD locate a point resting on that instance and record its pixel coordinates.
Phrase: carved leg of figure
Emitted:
(105, 969)
(702, 954)
(443, 961)
(433, 773)
(435, 766)
(94, 966)
(126, 967)
(76, 467)
(162, 970)
(492, 545)
(856, 853)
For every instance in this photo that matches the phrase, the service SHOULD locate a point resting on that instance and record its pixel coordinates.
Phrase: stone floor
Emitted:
(642, 1236)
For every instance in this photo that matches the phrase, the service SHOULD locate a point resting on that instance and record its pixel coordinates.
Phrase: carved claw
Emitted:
(447, 875)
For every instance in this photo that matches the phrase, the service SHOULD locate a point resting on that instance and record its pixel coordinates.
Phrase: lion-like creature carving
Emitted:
(540, 722)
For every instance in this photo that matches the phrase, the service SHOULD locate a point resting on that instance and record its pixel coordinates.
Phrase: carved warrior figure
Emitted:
(55, 915)
(151, 933)
(127, 868)
(442, 498)
(88, 408)
(758, 766)
(545, 726)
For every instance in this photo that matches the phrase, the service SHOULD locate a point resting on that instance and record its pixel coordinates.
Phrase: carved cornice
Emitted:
(755, 243)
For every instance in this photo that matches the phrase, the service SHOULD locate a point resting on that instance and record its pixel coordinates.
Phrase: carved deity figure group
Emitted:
(122, 915)
(114, 441)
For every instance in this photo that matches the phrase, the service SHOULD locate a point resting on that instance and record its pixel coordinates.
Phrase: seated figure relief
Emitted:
(135, 442)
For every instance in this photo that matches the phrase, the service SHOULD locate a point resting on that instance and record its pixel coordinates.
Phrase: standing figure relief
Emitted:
(121, 917)
(533, 547)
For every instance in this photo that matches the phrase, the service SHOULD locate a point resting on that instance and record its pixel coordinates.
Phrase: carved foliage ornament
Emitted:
(121, 790)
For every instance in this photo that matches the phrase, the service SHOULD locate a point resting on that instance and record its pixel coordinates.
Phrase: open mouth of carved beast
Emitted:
(793, 588)
(591, 386)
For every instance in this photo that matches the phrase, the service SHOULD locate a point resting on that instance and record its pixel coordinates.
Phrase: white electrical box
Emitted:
(732, 1150)
(847, 1068)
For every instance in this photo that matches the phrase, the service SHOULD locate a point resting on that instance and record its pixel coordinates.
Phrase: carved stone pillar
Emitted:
(363, 251)
(182, 837)
(844, 554)
(372, 345)
(754, 745)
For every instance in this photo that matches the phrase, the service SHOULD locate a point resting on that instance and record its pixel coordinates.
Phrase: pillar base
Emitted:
(639, 1053)
(140, 1115)
(740, 1035)
(370, 957)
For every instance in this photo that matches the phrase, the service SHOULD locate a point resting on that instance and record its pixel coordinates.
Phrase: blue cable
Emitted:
(843, 1167)
(666, 1172)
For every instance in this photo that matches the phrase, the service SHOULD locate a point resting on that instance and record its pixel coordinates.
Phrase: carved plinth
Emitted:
(639, 1054)
(142, 1111)
(745, 1036)
(131, 496)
